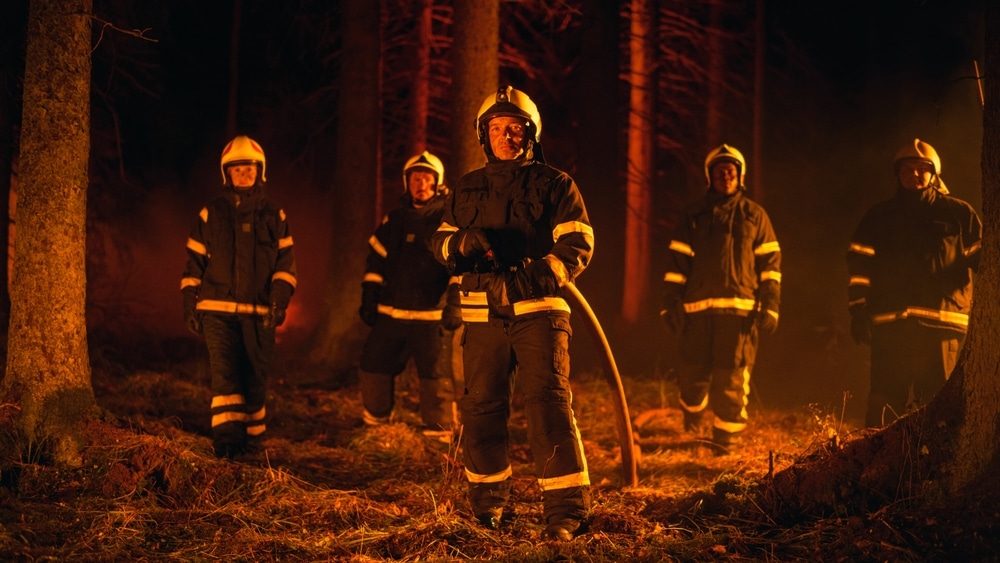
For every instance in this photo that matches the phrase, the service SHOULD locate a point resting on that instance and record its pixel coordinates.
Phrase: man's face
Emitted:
(915, 174)
(725, 178)
(422, 185)
(243, 175)
(507, 137)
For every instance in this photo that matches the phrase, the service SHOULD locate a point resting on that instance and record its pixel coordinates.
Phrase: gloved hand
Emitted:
(766, 322)
(861, 327)
(674, 318)
(369, 302)
(192, 319)
(451, 316)
(275, 316)
(469, 242)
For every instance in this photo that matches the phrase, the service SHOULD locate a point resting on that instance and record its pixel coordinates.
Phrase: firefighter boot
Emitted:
(566, 512)
(488, 501)
(377, 395)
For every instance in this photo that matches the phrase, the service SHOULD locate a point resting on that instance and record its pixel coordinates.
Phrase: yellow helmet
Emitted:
(725, 153)
(917, 150)
(423, 161)
(243, 150)
(510, 102)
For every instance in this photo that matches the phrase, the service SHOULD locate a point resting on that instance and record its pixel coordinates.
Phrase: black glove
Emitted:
(192, 319)
(275, 316)
(766, 322)
(532, 281)
(674, 318)
(469, 242)
(861, 327)
(369, 302)
(451, 316)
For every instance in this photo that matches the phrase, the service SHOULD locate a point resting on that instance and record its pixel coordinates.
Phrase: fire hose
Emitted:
(578, 303)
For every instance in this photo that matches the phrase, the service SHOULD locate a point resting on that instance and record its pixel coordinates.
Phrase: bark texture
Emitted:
(48, 366)
(475, 75)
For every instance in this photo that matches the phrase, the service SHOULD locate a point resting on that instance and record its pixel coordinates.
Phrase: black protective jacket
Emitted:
(400, 262)
(724, 259)
(912, 257)
(535, 220)
(239, 253)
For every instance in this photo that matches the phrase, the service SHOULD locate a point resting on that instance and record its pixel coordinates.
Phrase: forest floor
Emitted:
(327, 488)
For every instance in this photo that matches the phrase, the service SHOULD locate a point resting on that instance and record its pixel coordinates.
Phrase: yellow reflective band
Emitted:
(770, 275)
(563, 229)
(446, 228)
(226, 417)
(731, 427)
(373, 277)
(444, 245)
(285, 242)
(972, 249)
(257, 416)
(683, 248)
(767, 248)
(227, 400)
(862, 249)
(218, 306)
(256, 429)
(860, 280)
(190, 282)
(286, 277)
(720, 303)
(478, 315)
(675, 277)
(541, 304)
(695, 408)
(950, 317)
(861, 301)
(409, 315)
(281, 214)
(377, 246)
(581, 479)
(474, 298)
(197, 247)
(203, 214)
(492, 478)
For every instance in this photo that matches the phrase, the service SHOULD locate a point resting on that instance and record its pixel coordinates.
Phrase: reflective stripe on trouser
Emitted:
(910, 363)
(538, 345)
(239, 354)
(389, 346)
(717, 355)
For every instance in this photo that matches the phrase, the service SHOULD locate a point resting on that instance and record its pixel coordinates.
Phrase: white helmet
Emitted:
(243, 150)
(510, 102)
(423, 161)
(725, 153)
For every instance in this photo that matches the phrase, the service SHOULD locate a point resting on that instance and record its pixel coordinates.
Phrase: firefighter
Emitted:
(403, 297)
(910, 265)
(239, 278)
(516, 231)
(721, 289)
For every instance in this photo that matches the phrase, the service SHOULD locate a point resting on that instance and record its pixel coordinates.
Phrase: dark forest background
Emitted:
(846, 84)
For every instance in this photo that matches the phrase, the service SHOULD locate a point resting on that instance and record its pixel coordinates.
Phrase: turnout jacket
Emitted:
(724, 259)
(400, 262)
(912, 256)
(536, 222)
(240, 254)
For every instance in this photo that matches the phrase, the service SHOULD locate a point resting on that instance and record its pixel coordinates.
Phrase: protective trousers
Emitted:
(717, 354)
(240, 351)
(537, 345)
(910, 364)
(390, 345)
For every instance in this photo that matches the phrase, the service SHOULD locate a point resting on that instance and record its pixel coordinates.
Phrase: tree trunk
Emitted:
(355, 185)
(947, 448)
(715, 133)
(759, 67)
(640, 163)
(48, 366)
(421, 89)
(232, 111)
(475, 75)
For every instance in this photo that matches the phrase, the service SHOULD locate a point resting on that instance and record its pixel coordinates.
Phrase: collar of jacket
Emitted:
(926, 195)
